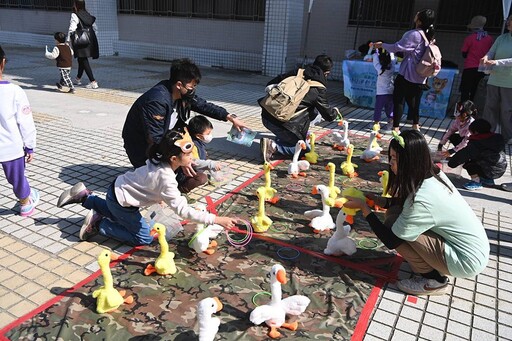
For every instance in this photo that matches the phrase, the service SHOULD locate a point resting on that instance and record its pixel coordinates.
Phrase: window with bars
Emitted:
(252, 10)
(381, 13)
(454, 15)
(45, 5)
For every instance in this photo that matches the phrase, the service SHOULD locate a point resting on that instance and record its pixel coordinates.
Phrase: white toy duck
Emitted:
(378, 135)
(107, 298)
(321, 220)
(164, 264)
(208, 325)
(333, 190)
(270, 193)
(339, 243)
(347, 167)
(200, 242)
(296, 166)
(341, 141)
(261, 222)
(311, 156)
(370, 154)
(274, 313)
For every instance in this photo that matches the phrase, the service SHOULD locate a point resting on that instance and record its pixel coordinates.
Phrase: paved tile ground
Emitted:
(79, 140)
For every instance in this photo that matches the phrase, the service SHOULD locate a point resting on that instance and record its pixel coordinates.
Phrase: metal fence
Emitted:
(46, 5)
(381, 13)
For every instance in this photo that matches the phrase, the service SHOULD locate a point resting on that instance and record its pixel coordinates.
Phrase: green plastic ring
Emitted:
(368, 243)
(259, 294)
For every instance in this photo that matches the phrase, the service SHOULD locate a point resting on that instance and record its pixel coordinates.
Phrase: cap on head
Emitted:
(478, 21)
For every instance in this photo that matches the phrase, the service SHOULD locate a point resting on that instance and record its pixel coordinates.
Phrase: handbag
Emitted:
(81, 37)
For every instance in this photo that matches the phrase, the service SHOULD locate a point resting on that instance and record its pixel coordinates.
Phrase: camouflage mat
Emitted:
(164, 308)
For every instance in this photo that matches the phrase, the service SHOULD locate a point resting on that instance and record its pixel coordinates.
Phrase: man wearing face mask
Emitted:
(165, 106)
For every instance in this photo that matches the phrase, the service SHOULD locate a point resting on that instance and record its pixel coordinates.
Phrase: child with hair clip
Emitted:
(118, 215)
(384, 62)
(458, 132)
(484, 156)
(427, 220)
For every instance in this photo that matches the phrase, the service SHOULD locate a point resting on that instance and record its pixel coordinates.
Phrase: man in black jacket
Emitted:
(290, 132)
(165, 106)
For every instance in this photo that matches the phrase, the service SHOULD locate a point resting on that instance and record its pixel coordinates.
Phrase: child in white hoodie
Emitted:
(118, 215)
(384, 62)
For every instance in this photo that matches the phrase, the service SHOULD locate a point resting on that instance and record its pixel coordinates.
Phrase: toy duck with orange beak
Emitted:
(164, 264)
(297, 167)
(269, 192)
(208, 325)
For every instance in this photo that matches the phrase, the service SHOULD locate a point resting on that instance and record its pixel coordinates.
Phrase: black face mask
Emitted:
(189, 94)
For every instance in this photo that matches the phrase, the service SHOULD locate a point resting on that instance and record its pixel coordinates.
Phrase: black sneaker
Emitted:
(73, 195)
(59, 86)
(267, 149)
(91, 224)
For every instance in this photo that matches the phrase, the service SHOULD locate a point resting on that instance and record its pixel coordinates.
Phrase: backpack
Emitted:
(283, 99)
(430, 63)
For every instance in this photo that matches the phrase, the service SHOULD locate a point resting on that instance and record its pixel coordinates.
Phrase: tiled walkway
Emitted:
(79, 140)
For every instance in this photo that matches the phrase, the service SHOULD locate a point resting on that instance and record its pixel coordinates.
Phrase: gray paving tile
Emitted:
(431, 333)
(380, 330)
(458, 331)
(477, 334)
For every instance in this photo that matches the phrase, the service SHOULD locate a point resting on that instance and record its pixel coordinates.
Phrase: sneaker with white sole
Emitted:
(77, 81)
(92, 85)
(73, 195)
(29, 208)
(472, 185)
(419, 285)
(91, 225)
(267, 149)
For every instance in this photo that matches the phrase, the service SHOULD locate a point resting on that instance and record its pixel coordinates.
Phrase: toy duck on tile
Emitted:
(378, 135)
(341, 141)
(107, 297)
(202, 240)
(208, 325)
(349, 212)
(270, 193)
(274, 313)
(333, 190)
(296, 166)
(339, 243)
(311, 156)
(347, 167)
(164, 264)
(321, 220)
(370, 154)
(384, 179)
(260, 222)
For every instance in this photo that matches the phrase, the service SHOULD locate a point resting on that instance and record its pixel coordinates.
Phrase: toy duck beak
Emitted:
(281, 276)
(380, 173)
(378, 136)
(153, 232)
(113, 256)
(270, 166)
(314, 190)
(327, 167)
(219, 304)
(303, 146)
(340, 123)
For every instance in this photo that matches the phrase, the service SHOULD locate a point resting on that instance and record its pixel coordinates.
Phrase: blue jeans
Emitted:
(285, 139)
(125, 224)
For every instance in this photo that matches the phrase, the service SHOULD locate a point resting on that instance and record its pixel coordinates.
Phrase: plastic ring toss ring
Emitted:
(286, 249)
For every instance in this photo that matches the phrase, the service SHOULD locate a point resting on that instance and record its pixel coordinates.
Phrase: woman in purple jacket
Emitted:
(409, 84)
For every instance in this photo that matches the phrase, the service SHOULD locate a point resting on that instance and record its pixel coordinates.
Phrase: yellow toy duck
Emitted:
(378, 135)
(164, 264)
(341, 141)
(311, 156)
(350, 212)
(274, 313)
(107, 298)
(333, 190)
(347, 167)
(261, 222)
(384, 179)
(270, 193)
(296, 166)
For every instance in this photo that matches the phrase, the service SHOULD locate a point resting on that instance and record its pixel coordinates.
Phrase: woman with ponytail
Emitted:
(409, 84)
(118, 215)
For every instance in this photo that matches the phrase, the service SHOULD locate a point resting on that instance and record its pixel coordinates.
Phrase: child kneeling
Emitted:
(483, 157)
(118, 215)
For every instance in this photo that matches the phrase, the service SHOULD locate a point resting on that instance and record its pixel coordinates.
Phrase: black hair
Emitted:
(414, 165)
(427, 18)
(467, 107)
(480, 126)
(164, 150)
(364, 48)
(79, 5)
(2, 53)
(184, 70)
(324, 62)
(384, 60)
(60, 37)
(198, 124)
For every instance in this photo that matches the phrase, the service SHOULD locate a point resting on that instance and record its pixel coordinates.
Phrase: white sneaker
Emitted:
(77, 81)
(92, 85)
(419, 285)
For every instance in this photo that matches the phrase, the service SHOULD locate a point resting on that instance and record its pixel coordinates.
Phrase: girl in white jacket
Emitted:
(118, 215)
(17, 140)
(384, 63)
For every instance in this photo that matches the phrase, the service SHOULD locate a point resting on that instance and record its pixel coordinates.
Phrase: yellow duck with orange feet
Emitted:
(347, 167)
(260, 222)
(349, 212)
(269, 192)
(333, 190)
(312, 156)
(107, 297)
(164, 264)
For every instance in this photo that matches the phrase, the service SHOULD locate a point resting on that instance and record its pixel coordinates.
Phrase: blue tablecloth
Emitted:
(359, 84)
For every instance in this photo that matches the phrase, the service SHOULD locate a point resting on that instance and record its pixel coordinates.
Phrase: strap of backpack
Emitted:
(427, 42)
(300, 73)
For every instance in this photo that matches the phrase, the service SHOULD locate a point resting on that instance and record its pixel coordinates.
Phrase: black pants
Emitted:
(83, 65)
(469, 83)
(455, 139)
(473, 169)
(406, 92)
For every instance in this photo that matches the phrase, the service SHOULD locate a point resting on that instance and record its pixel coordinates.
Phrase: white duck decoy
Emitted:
(274, 313)
(321, 220)
(200, 242)
(208, 325)
(296, 166)
(370, 154)
(341, 141)
(339, 243)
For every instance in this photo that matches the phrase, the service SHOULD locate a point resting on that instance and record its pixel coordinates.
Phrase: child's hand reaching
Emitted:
(227, 222)
(219, 166)
(358, 203)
